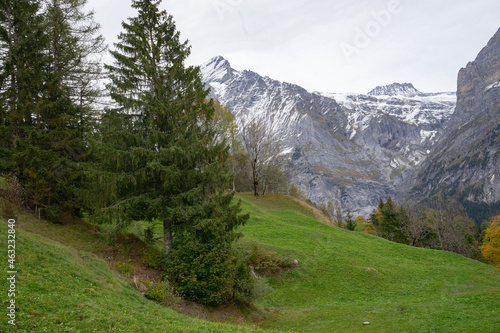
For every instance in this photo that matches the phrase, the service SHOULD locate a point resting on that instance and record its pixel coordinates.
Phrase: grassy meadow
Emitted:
(66, 284)
(346, 278)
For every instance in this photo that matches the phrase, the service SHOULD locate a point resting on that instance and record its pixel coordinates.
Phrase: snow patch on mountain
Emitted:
(348, 148)
(396, 89)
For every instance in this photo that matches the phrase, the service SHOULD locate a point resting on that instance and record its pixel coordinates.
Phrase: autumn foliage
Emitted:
(491, 243)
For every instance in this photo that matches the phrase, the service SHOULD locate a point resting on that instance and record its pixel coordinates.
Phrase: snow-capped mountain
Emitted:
(396, 89)
(347, 148)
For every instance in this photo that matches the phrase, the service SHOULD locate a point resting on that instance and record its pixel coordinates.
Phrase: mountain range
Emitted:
(354, 149)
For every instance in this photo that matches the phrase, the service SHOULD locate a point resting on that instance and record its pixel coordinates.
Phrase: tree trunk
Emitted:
(256, 188)
(167, 236)
(255, 178)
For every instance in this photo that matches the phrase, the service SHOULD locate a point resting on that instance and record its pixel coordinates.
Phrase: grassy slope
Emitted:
(347, 278)
(68, 289)
(65, 288)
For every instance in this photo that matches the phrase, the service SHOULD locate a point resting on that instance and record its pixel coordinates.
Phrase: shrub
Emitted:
(124, 268)
(160, 292)
(244, 287)
(267, 263)
(203, 273)
(369, 229)
(350, 223)
(296, 192)
(491, 243)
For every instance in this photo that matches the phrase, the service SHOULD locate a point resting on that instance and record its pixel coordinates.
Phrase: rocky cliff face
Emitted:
(466, 159)
(347, 148)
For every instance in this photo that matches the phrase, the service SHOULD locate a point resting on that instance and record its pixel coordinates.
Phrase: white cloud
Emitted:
(299, 41)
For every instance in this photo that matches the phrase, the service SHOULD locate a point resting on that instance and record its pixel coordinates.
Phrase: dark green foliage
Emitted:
(46, 49)
(23, 58)
(386, 221)
(153, 258)
(480, 211)
(203, 272)
(244, 286)
(350, 222)
(159, 156)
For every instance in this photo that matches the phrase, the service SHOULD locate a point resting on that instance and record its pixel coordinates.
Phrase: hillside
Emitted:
(347, 278)
(63, 288)
(344, 279)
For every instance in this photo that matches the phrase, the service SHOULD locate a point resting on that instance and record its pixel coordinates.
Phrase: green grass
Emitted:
(346, 278)
(65, 289)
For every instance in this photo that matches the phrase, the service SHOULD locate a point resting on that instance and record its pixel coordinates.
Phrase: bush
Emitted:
(267, 263)
(14, 193)
(203, 273)
(160, 292)
(350, 223)
(244, 287)
(369, 229)
(124, 268)
(296, 192)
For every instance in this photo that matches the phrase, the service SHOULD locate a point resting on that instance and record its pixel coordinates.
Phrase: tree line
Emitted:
(438, 223)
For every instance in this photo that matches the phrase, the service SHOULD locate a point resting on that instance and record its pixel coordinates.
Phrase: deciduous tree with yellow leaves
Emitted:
(491, 243)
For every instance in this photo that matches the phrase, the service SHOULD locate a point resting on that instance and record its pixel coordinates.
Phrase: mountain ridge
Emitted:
(396, 89)
(347, 150)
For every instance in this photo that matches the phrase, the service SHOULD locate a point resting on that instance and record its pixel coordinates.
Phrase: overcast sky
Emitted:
(330, 45)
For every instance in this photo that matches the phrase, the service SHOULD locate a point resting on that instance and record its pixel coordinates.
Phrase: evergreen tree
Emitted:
(387, 222)
(22, 59)
(47, 48)
(350, 222)
(75, 49)
(159, 156)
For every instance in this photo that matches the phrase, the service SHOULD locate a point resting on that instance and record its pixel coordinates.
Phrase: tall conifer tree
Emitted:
(22, 58)
(50, 51)
(159, 156)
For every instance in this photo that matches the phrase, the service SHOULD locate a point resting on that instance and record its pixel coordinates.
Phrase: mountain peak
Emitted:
(396, 89)
(216, 69)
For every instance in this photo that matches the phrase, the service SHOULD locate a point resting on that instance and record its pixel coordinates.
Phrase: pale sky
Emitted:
(330, 46)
